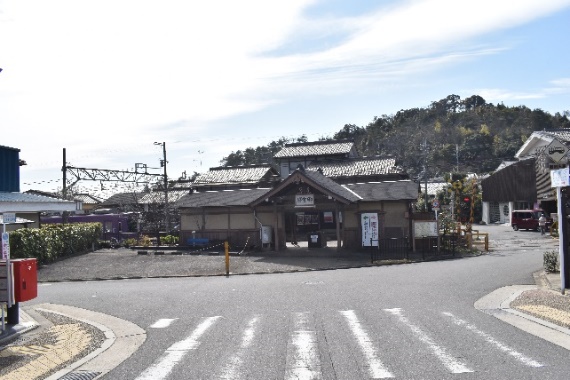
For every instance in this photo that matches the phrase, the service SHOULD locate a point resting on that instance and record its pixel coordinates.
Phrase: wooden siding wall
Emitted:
(516, 182)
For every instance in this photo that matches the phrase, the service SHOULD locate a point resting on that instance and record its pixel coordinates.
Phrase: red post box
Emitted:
(25, 279)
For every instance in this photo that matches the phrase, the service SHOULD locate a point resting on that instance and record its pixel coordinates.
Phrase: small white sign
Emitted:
(304, 200)
(559, 177)
(5, 246)
(8, 217)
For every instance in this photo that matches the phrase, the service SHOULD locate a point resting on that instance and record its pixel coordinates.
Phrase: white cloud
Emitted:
(111, 73)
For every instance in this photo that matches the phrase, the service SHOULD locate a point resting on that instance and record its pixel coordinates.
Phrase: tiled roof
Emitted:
(156, 197)
(234, 174)
(386, 191)
(321, 148)
(434, 187)
(332, 186)
(221, 198)
(87, 199)
(563, 135)
(123, 199)
(357, 167)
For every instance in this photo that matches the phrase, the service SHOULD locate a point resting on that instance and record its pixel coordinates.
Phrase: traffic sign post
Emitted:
(435, 206)
(7, 218)
(561, 178)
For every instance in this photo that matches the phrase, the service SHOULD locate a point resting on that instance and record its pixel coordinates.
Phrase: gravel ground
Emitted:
(545, 304)
(32, 345)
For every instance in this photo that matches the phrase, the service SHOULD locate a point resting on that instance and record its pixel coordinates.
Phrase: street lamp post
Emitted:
(165, 184)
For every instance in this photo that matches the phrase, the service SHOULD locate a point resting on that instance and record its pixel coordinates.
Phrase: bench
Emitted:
(198, 241)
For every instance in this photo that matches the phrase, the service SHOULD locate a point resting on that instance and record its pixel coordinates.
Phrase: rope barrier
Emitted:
(244, 247)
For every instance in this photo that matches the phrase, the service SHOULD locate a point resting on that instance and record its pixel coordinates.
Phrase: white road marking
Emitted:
(517, 355)
(375, 366)
(303, 361)
(162, 367)
(450, 362)
(162, 323)
(232, 369)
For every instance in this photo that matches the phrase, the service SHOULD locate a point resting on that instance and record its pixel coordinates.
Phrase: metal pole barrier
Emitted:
(227, 250)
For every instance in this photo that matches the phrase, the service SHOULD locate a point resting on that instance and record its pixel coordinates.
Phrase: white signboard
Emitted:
(8, 217)
(369, 222)
(559, 177)
(304, 200)
(427, 228)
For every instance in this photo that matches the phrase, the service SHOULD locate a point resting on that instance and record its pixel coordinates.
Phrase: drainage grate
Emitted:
(80, 376)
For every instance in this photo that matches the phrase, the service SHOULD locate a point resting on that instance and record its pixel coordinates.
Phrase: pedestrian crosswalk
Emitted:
(362, 345)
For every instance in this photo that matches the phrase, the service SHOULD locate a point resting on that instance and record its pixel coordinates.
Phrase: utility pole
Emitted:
(165, 184)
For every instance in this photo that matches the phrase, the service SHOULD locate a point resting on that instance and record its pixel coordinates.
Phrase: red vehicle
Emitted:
(528, 220)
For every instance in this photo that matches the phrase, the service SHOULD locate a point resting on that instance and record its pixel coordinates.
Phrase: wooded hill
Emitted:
(450, 135)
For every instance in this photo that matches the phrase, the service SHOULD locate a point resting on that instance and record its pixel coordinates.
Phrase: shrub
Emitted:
(144, 241)
(551, 261)
(169, 239)
(53, 241)
(130, 242)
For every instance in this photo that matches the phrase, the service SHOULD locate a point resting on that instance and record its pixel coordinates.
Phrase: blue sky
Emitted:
(106, 79)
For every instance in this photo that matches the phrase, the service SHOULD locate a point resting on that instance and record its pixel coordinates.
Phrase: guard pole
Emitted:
(561, 234)
(227, 250)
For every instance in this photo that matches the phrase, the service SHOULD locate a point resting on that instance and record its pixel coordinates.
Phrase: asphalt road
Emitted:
(412, 321)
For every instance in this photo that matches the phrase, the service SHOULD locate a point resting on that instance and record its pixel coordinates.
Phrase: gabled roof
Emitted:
(312, 149)
(235, 174)
(157, 197)
(87, 198)
(317, 181)
(367, 166)
(223, 198)
(386, 191)
(23, 202)
(541, 138)
(123, 199)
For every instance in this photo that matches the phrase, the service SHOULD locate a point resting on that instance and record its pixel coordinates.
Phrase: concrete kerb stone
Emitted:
(122, 339)
(497, 304)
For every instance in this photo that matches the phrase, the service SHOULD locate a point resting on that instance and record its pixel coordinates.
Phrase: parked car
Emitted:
(528, 220)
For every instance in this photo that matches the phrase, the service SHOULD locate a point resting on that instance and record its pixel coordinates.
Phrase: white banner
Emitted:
(369, 222)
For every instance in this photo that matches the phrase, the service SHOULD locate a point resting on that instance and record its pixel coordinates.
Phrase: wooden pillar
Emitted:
(338, 237)
(276, 229)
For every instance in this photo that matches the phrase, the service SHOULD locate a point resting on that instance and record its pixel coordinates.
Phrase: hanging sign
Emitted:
(369, 222)
(304, 200)
(5, 246)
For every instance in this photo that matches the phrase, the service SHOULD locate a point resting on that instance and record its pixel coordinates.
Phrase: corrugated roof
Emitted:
(221, 198)
(24, 202)
(357, 167)
(25, 197)
(386, 191)
(321, 148)
(234, 174)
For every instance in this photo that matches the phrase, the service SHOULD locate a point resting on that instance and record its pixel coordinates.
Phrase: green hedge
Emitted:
(53, 241)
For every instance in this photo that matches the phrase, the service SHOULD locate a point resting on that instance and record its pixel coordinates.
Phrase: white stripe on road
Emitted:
(174, 354)
(232, 369)
(517, 355)
(375, 366)
(303, 361)
(453, 365)
(162, 323)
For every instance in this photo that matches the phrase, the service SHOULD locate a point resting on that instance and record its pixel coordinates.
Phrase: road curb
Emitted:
(497, 304)
(122, 339)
